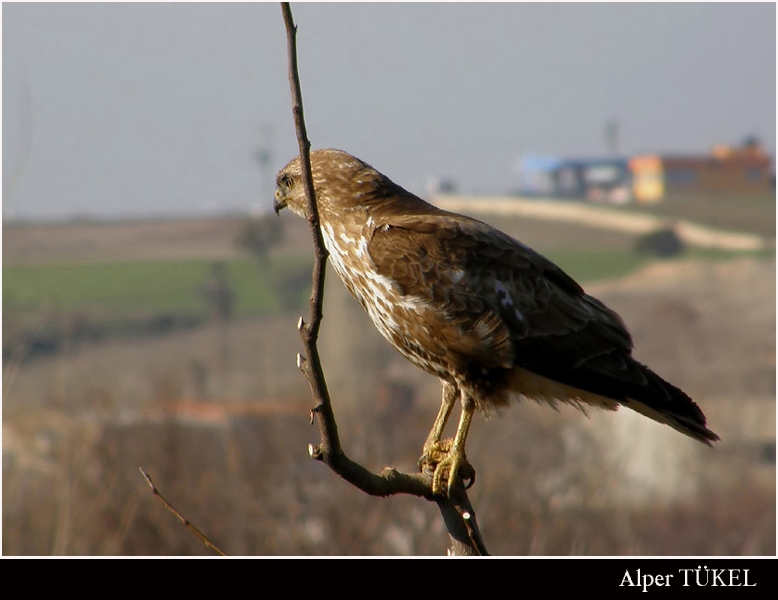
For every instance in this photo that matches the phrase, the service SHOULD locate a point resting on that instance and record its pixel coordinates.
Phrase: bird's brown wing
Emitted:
(514, 308)
(424, 258)
(469, 271)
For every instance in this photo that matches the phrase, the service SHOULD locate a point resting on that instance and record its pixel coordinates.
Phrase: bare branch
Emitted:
(183, 519)
(310, 364)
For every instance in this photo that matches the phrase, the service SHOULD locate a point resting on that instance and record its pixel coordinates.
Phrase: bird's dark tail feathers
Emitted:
(615, 379)
(663, 402)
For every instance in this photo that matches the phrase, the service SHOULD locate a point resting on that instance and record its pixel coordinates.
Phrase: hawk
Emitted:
(491, 318)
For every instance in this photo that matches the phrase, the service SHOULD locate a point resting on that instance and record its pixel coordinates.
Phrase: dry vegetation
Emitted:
(224, 436)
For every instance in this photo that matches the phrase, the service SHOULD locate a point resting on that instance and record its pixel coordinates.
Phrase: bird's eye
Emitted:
(286, 182)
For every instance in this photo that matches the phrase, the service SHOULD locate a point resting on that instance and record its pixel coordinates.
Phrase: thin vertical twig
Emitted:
(310, 364)
(181, 518)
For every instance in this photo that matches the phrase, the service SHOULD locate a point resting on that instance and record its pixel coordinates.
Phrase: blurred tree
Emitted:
(663, 243)
(258, 235)
(219, 293)
(221, 299)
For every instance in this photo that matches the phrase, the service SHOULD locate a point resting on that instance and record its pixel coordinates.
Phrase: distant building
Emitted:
(597, 180)
(648, 178)
(745, 168)
(648, 182)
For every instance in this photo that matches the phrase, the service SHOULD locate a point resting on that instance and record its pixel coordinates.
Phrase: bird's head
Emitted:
(341, 182)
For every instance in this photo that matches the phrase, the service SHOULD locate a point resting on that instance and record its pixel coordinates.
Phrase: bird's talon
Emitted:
(447, 466)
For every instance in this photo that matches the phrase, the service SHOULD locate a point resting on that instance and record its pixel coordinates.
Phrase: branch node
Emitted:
(389, 473)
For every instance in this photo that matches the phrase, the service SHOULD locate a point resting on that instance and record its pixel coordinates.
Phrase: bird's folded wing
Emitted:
(483, 280)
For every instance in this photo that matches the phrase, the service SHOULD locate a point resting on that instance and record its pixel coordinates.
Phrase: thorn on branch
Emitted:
(315, 452)
(314, 410)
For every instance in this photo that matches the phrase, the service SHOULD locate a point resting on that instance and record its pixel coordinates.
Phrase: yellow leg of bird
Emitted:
(455, 458)
(450, 394)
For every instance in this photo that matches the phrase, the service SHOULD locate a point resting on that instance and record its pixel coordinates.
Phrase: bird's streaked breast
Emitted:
(395, 315)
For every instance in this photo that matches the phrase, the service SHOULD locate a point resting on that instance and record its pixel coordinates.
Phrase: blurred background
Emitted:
(150, 296)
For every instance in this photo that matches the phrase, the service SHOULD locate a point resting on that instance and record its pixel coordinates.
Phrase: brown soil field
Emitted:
(119, 241)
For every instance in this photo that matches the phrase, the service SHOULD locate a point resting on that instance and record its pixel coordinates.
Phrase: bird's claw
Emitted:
(446, 464)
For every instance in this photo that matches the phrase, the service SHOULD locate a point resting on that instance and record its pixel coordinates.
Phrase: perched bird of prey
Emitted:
(488, 316)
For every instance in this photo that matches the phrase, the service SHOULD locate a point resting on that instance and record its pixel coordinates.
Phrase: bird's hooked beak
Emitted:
(279, 202)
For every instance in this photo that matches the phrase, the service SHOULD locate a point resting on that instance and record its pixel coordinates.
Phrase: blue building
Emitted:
(594, 179)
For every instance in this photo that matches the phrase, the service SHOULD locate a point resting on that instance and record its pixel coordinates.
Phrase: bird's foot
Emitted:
(446, 464)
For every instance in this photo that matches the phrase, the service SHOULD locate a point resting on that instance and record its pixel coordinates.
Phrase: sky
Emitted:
(142, 110)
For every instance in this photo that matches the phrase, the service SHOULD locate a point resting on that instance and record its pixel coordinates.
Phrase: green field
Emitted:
(752, 213)
(172, 286)
(595, 265)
